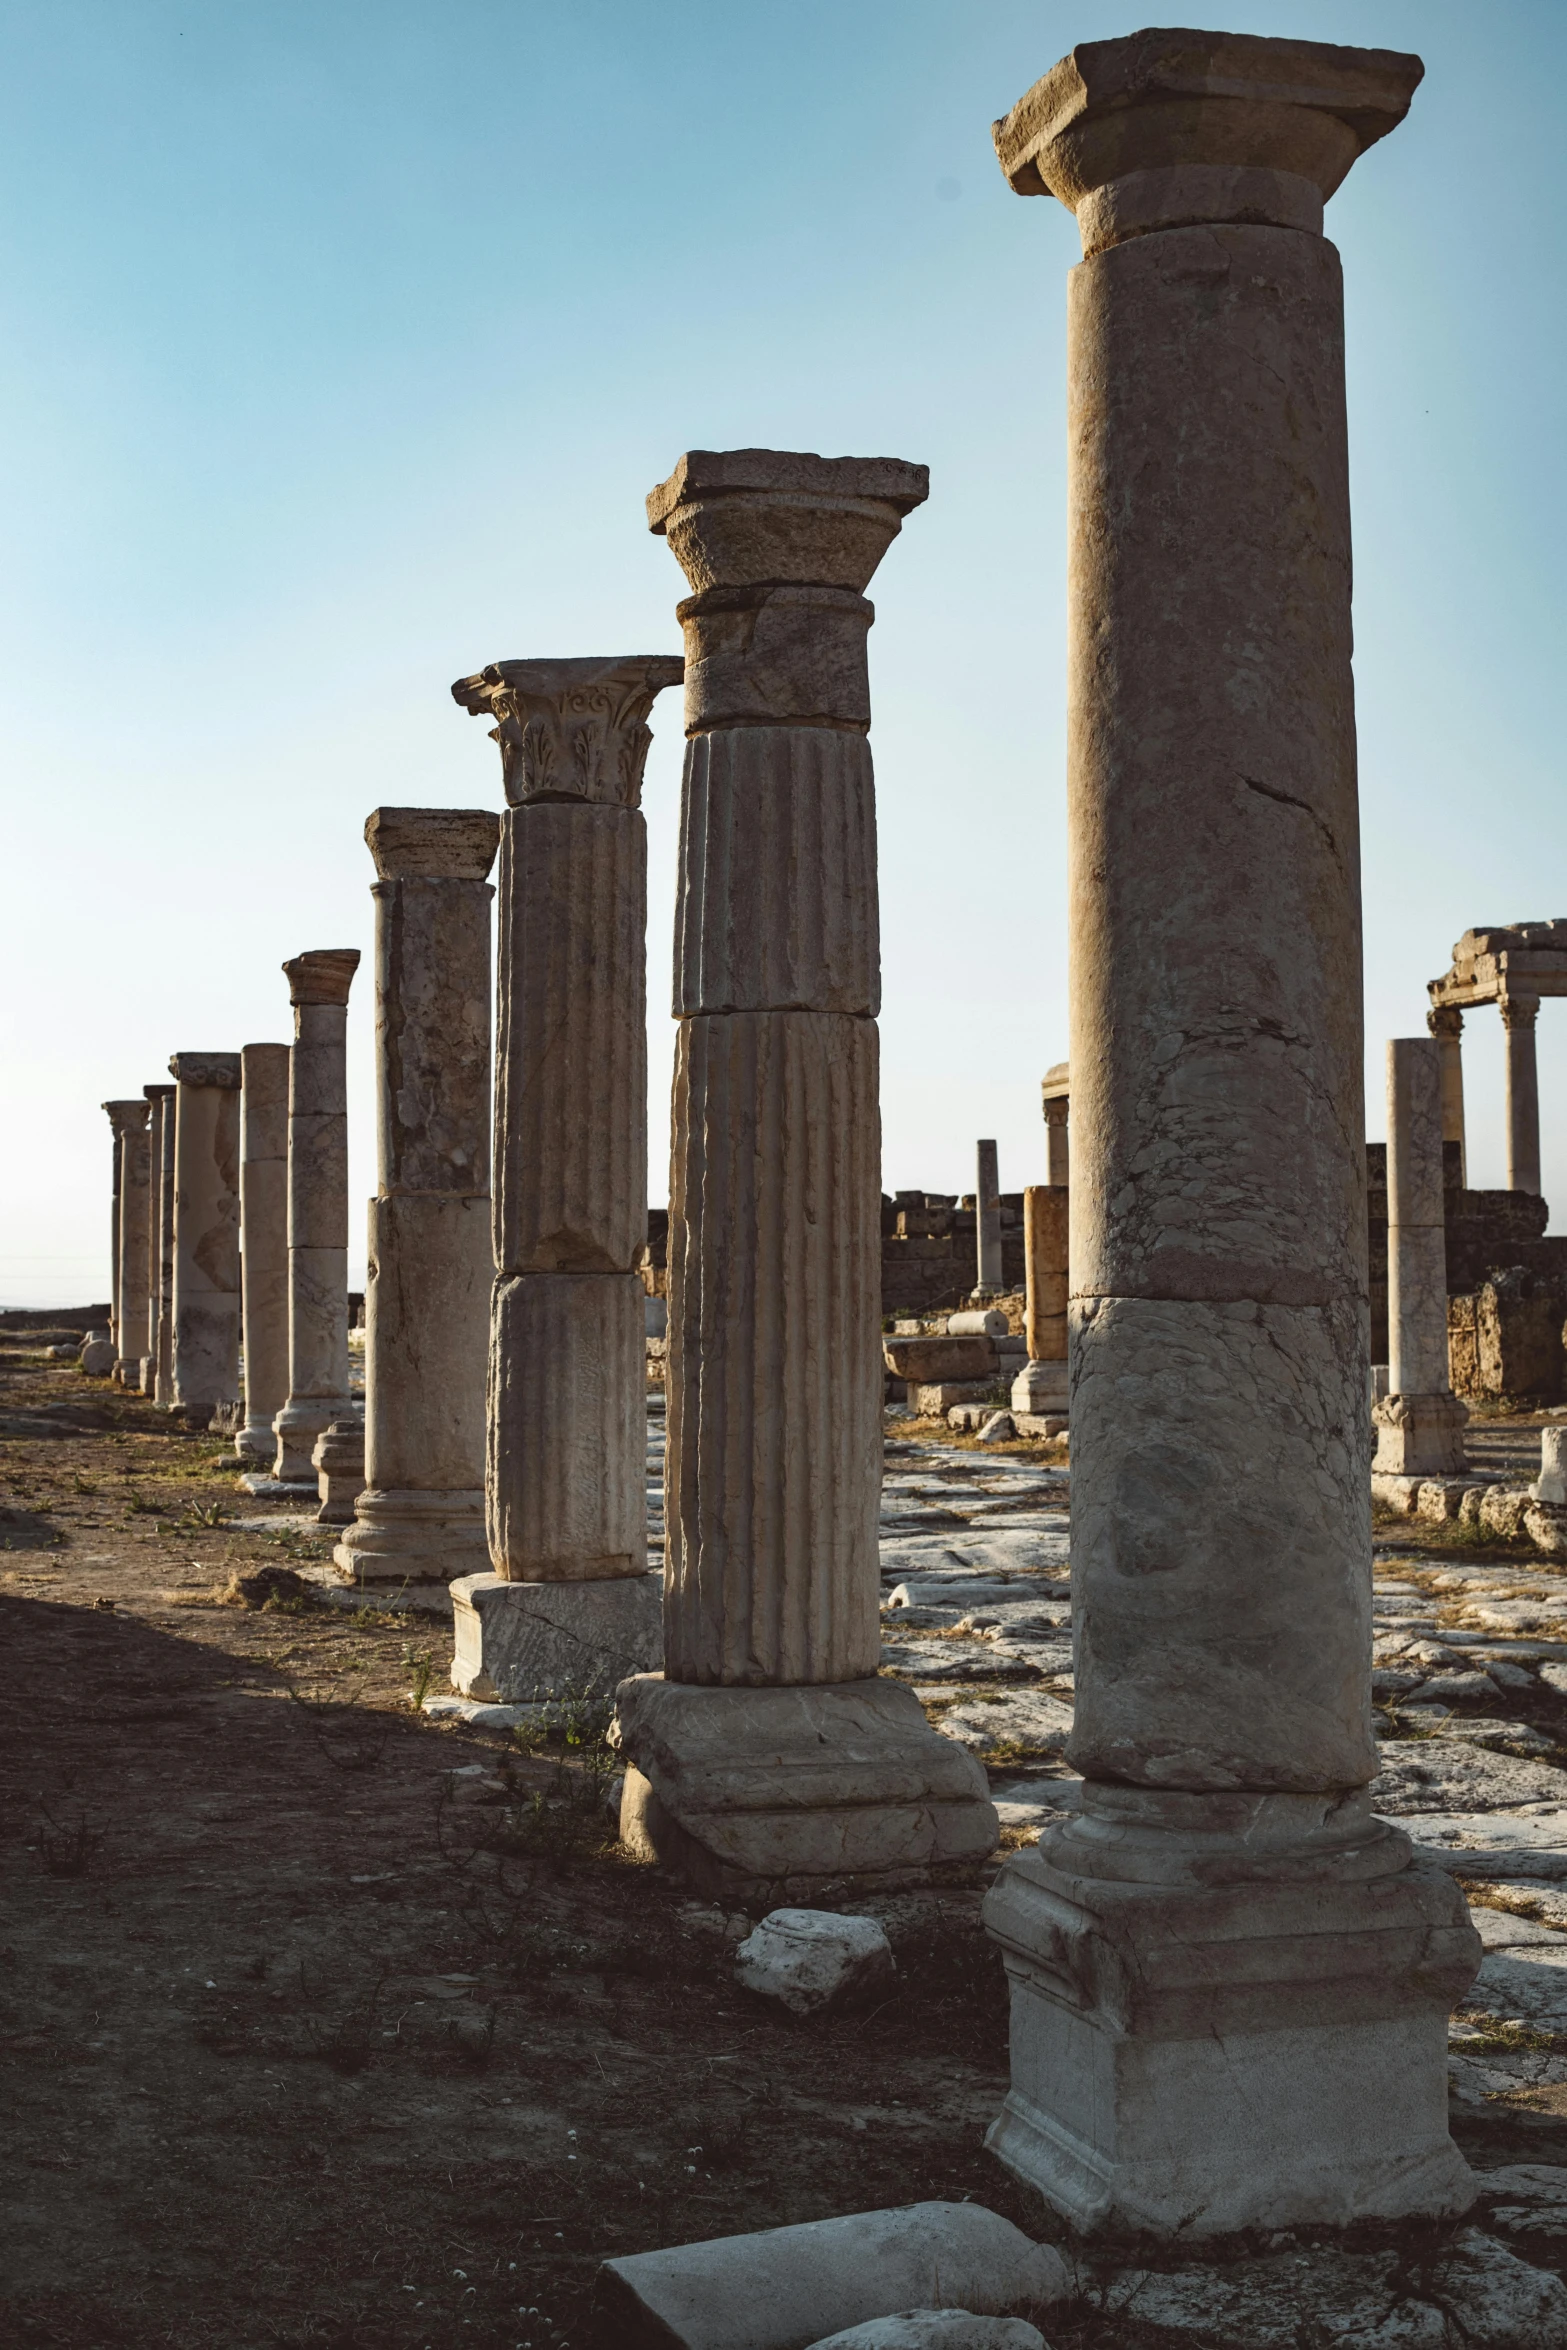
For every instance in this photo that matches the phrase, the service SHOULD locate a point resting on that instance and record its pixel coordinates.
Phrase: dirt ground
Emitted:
(323, 2025)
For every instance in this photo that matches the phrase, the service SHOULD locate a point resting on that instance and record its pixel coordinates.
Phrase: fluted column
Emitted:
(205, 1366)
(569, 1599)
(1224, 1928)
(163, 1374)
(318, 985)
(160, 1157)
(773, 1463)
(420, 1516)
(1446, 1023)
(1519, 1014)
(1419, 1422)
(130, 1260)
(263, 1217)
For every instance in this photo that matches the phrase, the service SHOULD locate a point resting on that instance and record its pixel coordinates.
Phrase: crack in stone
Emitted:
(1271, 791)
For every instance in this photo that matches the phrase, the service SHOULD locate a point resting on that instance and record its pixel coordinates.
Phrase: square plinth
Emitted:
(517, 1642)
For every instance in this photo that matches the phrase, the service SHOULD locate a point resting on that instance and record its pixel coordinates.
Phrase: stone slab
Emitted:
(282, 1488)
(522, 1642)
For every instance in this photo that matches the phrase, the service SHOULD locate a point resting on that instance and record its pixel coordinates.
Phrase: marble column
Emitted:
(206, 1233)
(987, 1226)
(1040, 1387)
(1419, 1422)
(163, 1377)
(1230, 1981)
(770, 1759)
(263, 1223)
(1519, 1014)
(420, 1515)
(1055, 1097)
(1446, 1023)
(109, 1109)
(160, 1162)
(130, 1260)
(569, 1600)
(318, 985)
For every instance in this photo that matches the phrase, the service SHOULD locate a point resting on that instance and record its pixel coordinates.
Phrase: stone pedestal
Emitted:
(570, 1602)
(1419, 1422)
(771, 1633)
(160, 1162)
(1519, 1014)
(1446, 1023)
(318, 985)
(988, 1281)
(420, 1515)
(1055, 1093)
(1040, 1386)
(132, 1170)
(205, 1365)
(339, 1463)
(263, 1216)
(1229, 1983)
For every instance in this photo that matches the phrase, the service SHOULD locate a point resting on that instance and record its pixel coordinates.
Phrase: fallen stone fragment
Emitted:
(97, 1358)
(812, 1959)
(269, 1584)
(998, 1429)
(937, 2329)
(790, 2288)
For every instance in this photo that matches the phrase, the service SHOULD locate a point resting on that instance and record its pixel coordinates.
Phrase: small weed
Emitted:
(1482, 2030)
(421, 1663)
(67, 1850)
(209, 1513)
(81, 1484)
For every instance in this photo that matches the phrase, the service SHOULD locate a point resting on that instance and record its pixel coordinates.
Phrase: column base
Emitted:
(1040, 1387)
(400, 1536)
(1259, 2040)
(148, 1380)
(1419, 1436)
(339, 1463)
(297, 1427)
(517, 1642)
(790, 1794)
(256, 1442)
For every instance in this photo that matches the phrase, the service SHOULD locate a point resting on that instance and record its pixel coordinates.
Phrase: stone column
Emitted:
(1230, 1983)
(130, 1258)
(163, 1377)
(263, 1217)
(1055, 1094)
(1519, 1013)
(987, 1226)
(420, 1515)
(109, 1109)
(1419, 1422)
(569, 1601)
(206, 1233)
(1040, 1387)
(771, 1759)
(1446, 1023)
(160, 1156)
(318, 985)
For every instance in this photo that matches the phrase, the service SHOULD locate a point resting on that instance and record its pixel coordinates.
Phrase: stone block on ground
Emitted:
(1545, 1523)
(97, 1358)
(1039, 1423)
(937, 2329)
(812, 1958)
(998, 1428)
(1503, 1508)
(520, 1642)
(978, 1322)
(924, 1360)
(934, 1401)
(790, 2288)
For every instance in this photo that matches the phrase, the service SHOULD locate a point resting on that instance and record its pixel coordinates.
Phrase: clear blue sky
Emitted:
(341, 342)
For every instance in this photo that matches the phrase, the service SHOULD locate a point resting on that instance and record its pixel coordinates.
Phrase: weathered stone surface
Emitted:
(263, 1208)
(339, 1462)
(811, 1959)
(132, 1174)
(97, 1357)
(784, 2288)
(567, 1403)
(987, 1222)
(934, 1359)
(206, 1232)
(1419, 1422)
(784, 1793)
(937, 2329)
(318, 984)
(520, 1642)
(161, 1101)
(162, 1202)
(1519, 1012)
(571, 730)
(972, 1322)
(1551, 1484)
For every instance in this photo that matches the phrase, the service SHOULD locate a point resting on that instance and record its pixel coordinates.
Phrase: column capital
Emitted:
(128, 1117)
(571, 730)
(206, 1069)
(432, 844)
(323, 975)
(1518, 1010)
(1445, 1020)
(1163, 129)
(159, 1093)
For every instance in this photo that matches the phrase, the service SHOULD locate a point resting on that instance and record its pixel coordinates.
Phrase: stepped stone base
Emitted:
(407, 1536)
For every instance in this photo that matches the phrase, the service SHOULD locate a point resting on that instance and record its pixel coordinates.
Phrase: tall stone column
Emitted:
(1055, 1095)
(318, 985)
(1040, 1387)
(160, 1157)
(569, 1600)
(987, 1225)
(771, 1759)
(1446, 1023)
(206, 1233)
(1230, 1983)
(1419, 1422)
(263, 1219)
(420, 1516)
(130, 1259)
(109, 1109)
(163, 1377)
(1519, 1014)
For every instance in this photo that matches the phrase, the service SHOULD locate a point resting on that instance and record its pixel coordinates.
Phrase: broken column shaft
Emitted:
(1230, 1984)
(263, 1219)
(160, 1154)
(205, 1351)
(318, 985)
(1419, 1422)
(129, 1119)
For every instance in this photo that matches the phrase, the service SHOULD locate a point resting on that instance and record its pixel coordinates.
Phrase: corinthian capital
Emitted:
(571, 730)
(128, 1117)
(1519, 1011)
